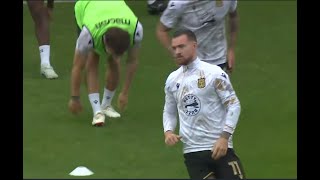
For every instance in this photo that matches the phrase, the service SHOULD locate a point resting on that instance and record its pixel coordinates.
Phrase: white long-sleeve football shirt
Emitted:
(206, 104)
(207, 20)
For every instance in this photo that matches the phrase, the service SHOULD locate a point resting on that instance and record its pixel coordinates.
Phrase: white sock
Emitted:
(151, 1)
(95, 102)
(107, 98)
(45, 54)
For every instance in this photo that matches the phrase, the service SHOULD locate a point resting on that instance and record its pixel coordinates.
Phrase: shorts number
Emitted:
(236, 168)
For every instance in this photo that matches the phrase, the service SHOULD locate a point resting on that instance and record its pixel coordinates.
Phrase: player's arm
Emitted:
(169, 112)
(163, 36)
(233, 30)
(233, 24)
(168, 20)
(132, 59)
(131, 66)
(170, 116)
(230, 101)
(83, 47)
(77, 67)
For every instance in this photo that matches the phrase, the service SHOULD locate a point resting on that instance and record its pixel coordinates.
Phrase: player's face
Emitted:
(184, 49)
(110, 51)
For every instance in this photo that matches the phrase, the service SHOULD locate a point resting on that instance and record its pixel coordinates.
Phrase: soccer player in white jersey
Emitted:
(208, 111)
(207, 20)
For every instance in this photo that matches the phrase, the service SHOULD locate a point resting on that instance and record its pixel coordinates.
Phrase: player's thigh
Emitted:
(197, 165)
(37, 7)
(92, 61)
(229, 167)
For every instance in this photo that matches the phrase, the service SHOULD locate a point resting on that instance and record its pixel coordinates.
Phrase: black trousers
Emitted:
(200, 165)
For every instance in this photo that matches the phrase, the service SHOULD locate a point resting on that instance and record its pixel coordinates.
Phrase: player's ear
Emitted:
(195, 44)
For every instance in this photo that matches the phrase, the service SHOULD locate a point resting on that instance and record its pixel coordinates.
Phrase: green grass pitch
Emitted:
(265, 79)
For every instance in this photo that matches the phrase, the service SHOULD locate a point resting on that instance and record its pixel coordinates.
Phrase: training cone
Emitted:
(81, 171)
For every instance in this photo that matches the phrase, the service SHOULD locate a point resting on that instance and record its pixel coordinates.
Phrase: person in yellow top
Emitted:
(111, 28)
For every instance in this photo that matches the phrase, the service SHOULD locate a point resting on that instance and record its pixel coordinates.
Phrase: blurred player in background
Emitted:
(41, 16)
(207, 20)
(111, 28)
(202, 97)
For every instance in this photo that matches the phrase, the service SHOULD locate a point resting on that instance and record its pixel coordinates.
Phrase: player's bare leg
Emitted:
(93, 88)
(40, 16)
(112, 80)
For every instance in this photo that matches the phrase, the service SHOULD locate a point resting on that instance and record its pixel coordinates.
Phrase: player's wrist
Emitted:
(168, 132)
(226, 135)
(228, 129)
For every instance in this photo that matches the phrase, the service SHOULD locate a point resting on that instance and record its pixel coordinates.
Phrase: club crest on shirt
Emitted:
(191, 105)
(219, 3)
(201, 82)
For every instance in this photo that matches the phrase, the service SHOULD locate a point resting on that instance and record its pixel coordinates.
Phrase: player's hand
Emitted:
(75, 106)
(171, 138)
(122, 101)
(220, 148)
(231, 61)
